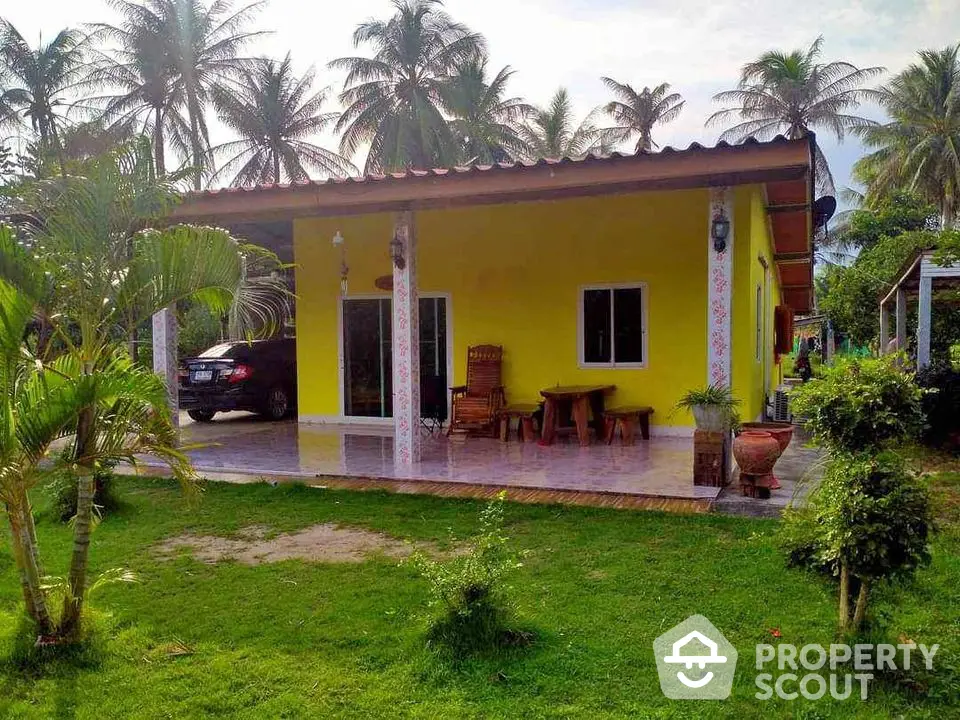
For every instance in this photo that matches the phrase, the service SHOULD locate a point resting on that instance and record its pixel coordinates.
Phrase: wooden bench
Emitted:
(625, 419)
(524, 413)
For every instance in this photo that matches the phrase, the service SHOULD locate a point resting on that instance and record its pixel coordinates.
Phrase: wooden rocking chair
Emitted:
(475, 405)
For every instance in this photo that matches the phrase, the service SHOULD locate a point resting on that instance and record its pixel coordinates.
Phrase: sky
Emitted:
(698, 46)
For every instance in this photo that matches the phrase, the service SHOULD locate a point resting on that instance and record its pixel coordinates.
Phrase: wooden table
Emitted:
(583, 398)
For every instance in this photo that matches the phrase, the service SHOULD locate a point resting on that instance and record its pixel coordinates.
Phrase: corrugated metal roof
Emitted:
(494, 167)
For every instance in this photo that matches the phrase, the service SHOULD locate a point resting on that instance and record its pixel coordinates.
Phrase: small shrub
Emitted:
(63, 491)
(861, 404)
(941, 405)
(869, 520)
(469, 590)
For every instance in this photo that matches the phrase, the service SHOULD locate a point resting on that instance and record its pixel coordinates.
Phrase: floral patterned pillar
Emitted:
(406, 344)
(165, 355)
(720, 269)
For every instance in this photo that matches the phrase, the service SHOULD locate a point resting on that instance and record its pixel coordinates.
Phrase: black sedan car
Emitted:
(260, 376)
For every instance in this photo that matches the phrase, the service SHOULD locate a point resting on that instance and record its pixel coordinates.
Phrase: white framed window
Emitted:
(612, 326)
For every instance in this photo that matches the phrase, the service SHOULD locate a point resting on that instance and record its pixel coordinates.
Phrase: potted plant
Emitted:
(713, 407)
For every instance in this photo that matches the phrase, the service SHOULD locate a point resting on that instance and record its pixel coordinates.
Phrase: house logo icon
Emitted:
(695, 661)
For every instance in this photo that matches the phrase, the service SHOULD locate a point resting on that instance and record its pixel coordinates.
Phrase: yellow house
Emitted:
(613, 271)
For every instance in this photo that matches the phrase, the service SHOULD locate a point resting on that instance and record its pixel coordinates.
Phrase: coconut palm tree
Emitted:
(180, 50)
(138, 68)
(487, 124)
(792, 94)
(552, 132)
(919, 149)
(103, 275)
(394, 99)
(40, 79)
(636, 113)
(275, 113)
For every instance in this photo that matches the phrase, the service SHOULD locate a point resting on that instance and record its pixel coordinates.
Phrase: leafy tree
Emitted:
(918, 149)
(892, 215)
(274, 112)
(637, 113)
(793, 93)
(860, 405)
(394, 100)
(173, 53)
(40, 79)
(868, 521)
(93, 273)
(487, 124)
(552, 132)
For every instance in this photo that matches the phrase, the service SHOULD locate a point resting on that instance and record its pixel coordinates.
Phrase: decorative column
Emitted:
(923, 321)
(406, 342)
(712, 460)
(901, 320)
(165, 355)
(720, 295)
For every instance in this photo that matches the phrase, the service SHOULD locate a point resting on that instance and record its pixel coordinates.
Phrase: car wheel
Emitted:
(277, 405)
(201, 415)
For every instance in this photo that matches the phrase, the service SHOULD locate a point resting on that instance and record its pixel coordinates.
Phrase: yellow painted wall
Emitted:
(753, 242)
(514, 272)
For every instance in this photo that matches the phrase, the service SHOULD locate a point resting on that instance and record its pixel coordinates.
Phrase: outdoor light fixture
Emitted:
(719, 230)
(338, 242)
(396, 252)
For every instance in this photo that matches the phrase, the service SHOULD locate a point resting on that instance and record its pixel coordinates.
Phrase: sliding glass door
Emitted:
(368, 359)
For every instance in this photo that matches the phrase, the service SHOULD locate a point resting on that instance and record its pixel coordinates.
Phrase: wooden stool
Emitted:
(524, 412)
(625, 419)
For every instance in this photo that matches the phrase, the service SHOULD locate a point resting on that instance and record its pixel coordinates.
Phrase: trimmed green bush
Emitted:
(861, 404)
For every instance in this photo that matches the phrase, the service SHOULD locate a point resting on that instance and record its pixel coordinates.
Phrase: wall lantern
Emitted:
(344, 270)
(719, 230)
(396, 252)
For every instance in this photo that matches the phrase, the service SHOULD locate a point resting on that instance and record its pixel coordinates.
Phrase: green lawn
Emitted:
(346, 640)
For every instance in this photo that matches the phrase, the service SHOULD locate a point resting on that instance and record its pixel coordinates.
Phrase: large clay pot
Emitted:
(782, 432)
(756, 452)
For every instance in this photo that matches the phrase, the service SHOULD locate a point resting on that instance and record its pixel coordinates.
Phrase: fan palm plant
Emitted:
(40, 79)
(487, 124)
(792, 94)
(394, 100)
(275, 113)
(173, 53)
(919, 149)
(105, 274)
(552, 132)
(637, 113)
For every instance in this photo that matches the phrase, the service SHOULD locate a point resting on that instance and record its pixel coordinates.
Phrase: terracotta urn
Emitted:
(782, 432)
(756, 452)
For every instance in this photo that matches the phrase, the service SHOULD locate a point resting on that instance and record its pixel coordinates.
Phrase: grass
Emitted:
(292, 639)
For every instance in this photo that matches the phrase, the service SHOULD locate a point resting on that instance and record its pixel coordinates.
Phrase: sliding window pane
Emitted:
(596, 326)
(628, 325)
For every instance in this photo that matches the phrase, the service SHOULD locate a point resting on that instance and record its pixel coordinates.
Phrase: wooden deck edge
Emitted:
(542, 496)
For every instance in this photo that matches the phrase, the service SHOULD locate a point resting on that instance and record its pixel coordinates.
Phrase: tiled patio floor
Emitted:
(238, 443)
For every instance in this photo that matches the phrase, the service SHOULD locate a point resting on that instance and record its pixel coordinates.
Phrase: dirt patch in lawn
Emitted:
(328, 543)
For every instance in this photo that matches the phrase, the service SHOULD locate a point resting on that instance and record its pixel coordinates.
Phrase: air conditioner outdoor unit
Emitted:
(781, 404)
